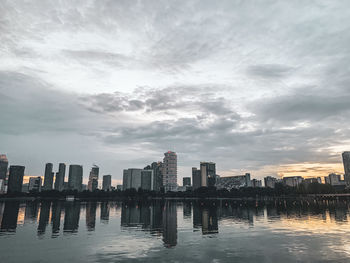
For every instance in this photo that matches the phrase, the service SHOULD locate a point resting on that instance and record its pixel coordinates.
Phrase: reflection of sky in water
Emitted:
(168, 231)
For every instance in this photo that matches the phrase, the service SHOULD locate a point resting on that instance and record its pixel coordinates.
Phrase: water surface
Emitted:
(168, 231)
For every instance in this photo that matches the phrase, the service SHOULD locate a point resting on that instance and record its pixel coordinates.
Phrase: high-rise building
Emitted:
(59, 182)
(256, 183)
(346, 163)
(196, 178)
(48, 178)
(15, 179)
(35, 184)
(132, 178)
(170, 171)
(75, 177)
(147, 179)
(157, 168)
(186, 181)
(93, 178)
(107, 183)
(270, 181)
(3, 166)
(293, 181)
(208, 174)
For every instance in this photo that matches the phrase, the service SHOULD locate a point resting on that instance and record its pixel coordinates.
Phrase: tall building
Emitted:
(35, 184)
(186, 181)
(15, 179)
(170, 171)
(3, 172)
(93, 178)
(75, 177)
(256, 183)
(157, 168)
(293, 181)
(48, 178)
(346, 163)
(147, 180)
(208, 174)
(196, 178)
(132, 178)
(59, 182)
(107, 183)
(270, 181)
(3, 166)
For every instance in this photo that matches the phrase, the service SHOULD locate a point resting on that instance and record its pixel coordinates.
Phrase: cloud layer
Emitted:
(253, 86)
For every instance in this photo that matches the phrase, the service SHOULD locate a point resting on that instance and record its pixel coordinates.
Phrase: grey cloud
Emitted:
(270, 71)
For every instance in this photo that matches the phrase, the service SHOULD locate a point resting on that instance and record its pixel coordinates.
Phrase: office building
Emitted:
(3, 166)
(75, 177)
(255, 183)
(208, 174)
(93, 178)
(157, 168)
(35, 184)
(170, 171)
(107, 183)
(293, 181)
(234, 182)
(132, 178)
(196, 178)
(48, 177)
(15, 179)
(147, 180)
(346, 163)
(119, 187)
(60, 175)
(186, 181)
(334, 180)
(270, 181)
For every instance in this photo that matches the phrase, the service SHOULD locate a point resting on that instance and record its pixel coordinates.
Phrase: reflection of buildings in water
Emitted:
(31, 212)
(91, 215)
(187, 207)
(209, 221)
(170, 224)
(197, 217)
(56, 216)
(71, 217)
(44, 217)
(10, 215)
(104, 216)
(2, 206)
(339, 213)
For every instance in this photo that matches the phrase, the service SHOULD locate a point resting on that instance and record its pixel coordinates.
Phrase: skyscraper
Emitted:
(132, 178)
(15, 179)
(48, 178)
(3, 166)
(147, 180)
(59, 182)
(93, 178)
(196, 178)
(157, 168)
(208, 174)
(170, 171)
(3, 171)
(346, 163)
(107, 183)
(75, 177)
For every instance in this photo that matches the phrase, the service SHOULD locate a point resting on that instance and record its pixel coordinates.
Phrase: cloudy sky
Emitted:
(259, 86)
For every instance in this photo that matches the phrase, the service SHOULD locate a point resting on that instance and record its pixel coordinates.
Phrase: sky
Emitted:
(255, 86)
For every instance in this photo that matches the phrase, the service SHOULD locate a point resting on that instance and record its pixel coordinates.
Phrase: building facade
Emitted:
(234, 182)
(157, 168)
(147, 180)
(196, 178)
(346, 163)
(75, 177)
(170, 171)
(132, 178)
(208, 174)
(270, 181)
(107, 183)
(35, 184)
(3, 172)
(93, 178)
(186, 181)
(60, 175)
(293, 181)
(48, 177)
(15, 182)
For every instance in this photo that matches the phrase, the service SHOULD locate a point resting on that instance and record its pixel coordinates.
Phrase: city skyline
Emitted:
(255, 87)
